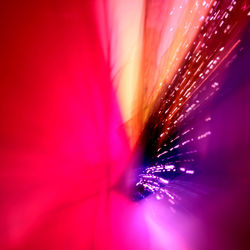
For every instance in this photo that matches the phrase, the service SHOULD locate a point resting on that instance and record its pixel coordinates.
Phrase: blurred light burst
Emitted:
(125, 124)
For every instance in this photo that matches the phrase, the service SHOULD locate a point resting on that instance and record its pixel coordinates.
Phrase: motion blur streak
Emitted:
(80, 86)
